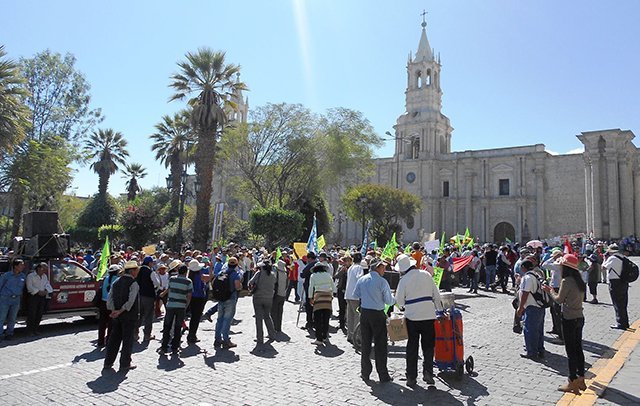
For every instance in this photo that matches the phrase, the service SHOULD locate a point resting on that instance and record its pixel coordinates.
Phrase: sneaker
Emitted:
(613, 327)
(411, 383)
(217, 343)
(386, 379)
(193, 340)
(129, 367)
(527, 356)
(229, 344)
(162, 351)
(428, 378)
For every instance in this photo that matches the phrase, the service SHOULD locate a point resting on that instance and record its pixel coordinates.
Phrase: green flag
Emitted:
(104, 259)
(508, 240)
(470, 245)
(407, 249)
(437, 276)
(441, 250)
(467, 234)
(278, 254)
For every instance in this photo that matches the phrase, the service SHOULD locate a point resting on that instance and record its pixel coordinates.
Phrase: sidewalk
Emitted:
(624, 389)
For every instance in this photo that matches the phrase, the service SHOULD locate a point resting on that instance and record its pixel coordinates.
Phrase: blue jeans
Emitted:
(8, 312)
(490, 270)
(226, 311)
(534, 330)
(475, 280)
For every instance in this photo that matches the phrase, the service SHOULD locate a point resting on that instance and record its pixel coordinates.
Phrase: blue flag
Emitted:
(312, 243)
(365, 241)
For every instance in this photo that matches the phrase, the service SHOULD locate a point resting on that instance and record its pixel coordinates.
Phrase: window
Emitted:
(66, 272)
(445, 189)
(503, 187)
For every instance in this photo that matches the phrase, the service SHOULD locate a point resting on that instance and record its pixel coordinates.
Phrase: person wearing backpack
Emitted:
(570, 295)
(532, 309)
(618, 287)
(225, 287)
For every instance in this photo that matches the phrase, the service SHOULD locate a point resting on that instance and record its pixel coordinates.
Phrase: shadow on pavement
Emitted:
(619, 397)
(170, 363)
(328, 351)
(220, 355)
(265, 350)
(467, 386)
(192, 350)
(90, 356)
(396, 394)
(106, 383)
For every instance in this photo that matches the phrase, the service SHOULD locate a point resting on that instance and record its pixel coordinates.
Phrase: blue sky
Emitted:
(513, 72)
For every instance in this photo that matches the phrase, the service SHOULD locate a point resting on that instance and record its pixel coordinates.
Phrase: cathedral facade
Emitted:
(515, 193)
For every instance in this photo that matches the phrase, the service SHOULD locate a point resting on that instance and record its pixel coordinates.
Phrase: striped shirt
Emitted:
(179, 288)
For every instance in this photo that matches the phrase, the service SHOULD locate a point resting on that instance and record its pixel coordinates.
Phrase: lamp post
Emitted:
(184, 177)
(340, 218)
(362, 202)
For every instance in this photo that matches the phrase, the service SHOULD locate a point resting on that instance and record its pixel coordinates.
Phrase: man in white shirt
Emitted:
(533, 312)
(38, 287)
(353, 274)
(421, 298)
(550, 265)
(618, 289)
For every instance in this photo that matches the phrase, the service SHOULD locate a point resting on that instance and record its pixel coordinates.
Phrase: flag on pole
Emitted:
(437, 276)
(467, 234)
(321, 242)
(441, 250)
(104, 259)
(407, 249)
(365, 241)
(507, 240)
(278, 254)
(471, 243)
(390, 249)
(312, 242)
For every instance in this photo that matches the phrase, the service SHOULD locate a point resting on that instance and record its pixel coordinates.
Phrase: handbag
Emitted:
(397, 329)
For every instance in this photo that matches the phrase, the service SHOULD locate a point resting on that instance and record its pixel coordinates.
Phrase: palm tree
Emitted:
(108, 148)
(207, 81)
(170, 141)
(133, 172)
(14, 114)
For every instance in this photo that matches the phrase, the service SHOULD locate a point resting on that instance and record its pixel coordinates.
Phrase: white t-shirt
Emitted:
(353, 274)
(529, 284)
(614, 265)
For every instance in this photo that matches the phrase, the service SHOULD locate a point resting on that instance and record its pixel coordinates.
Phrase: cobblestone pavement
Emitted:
(64, 365)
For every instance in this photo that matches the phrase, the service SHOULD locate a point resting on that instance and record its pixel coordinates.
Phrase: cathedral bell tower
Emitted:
(423, 131)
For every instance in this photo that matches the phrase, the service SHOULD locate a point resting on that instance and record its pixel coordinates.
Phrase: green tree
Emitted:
(133, 172)
(384, 207)
(170, 141)
(208, 82)
(107, 149)
(277, 225)
(59, 97)
(14, 114)
(141, 221)
(69, 209)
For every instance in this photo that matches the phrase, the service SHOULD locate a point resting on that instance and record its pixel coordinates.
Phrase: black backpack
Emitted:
(221, 287)
(541, 296)
(629, 270)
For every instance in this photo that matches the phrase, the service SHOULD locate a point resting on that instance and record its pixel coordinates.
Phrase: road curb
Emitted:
(605, 369)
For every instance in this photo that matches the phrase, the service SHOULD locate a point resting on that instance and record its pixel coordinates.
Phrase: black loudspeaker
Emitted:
(39, 222)
(18, 245)
(47, 245)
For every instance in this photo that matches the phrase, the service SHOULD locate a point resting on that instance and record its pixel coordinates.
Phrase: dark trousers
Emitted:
(276, 312)
(572, 330)
(420, 332)
(197, 307)
(321, 320)
(122, 331)
(556, 316)
(308, 308)
(503, 278)
(36, 306)
(292, 285)
(172, 319)
(619, 292)
(104, 323)
(342, 309)
(373, 327)
(147, 311)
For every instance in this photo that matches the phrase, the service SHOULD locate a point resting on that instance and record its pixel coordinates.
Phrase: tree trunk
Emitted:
(204, 161)
(103, 183)
(18, 206)
(174, 174)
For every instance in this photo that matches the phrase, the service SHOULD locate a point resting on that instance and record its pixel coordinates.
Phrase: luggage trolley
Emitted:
(449, 349)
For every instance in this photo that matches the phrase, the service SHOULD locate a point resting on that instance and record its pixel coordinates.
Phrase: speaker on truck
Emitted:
(39, 222)
(47, 245)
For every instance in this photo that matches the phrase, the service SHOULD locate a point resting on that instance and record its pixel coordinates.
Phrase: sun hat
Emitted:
(131, 265)
(612, 249)
(174, 264)
(195, 265)
(403, 263)
(570, 260)
(114, 268)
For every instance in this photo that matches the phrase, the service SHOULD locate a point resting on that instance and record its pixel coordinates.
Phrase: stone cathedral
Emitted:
(517, 193)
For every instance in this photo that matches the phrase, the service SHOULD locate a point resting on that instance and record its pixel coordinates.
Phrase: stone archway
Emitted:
(502, 231)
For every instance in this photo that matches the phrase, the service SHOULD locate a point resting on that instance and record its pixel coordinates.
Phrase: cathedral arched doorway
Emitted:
(504, 231)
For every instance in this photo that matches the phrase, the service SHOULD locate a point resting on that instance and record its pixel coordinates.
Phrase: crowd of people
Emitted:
(138, 288)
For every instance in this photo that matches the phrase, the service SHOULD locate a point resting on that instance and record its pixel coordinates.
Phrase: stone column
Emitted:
(626, 196)
(540, 199)
(588, 192)
(596, 196)
(468, 191)
(613, 195)
(636, 190)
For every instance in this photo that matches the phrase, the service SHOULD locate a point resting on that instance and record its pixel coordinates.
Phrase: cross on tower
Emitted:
(424, 13)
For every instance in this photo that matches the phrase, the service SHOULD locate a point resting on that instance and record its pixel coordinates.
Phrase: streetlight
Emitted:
(402, 139)
(362, 202)
(340, 218)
